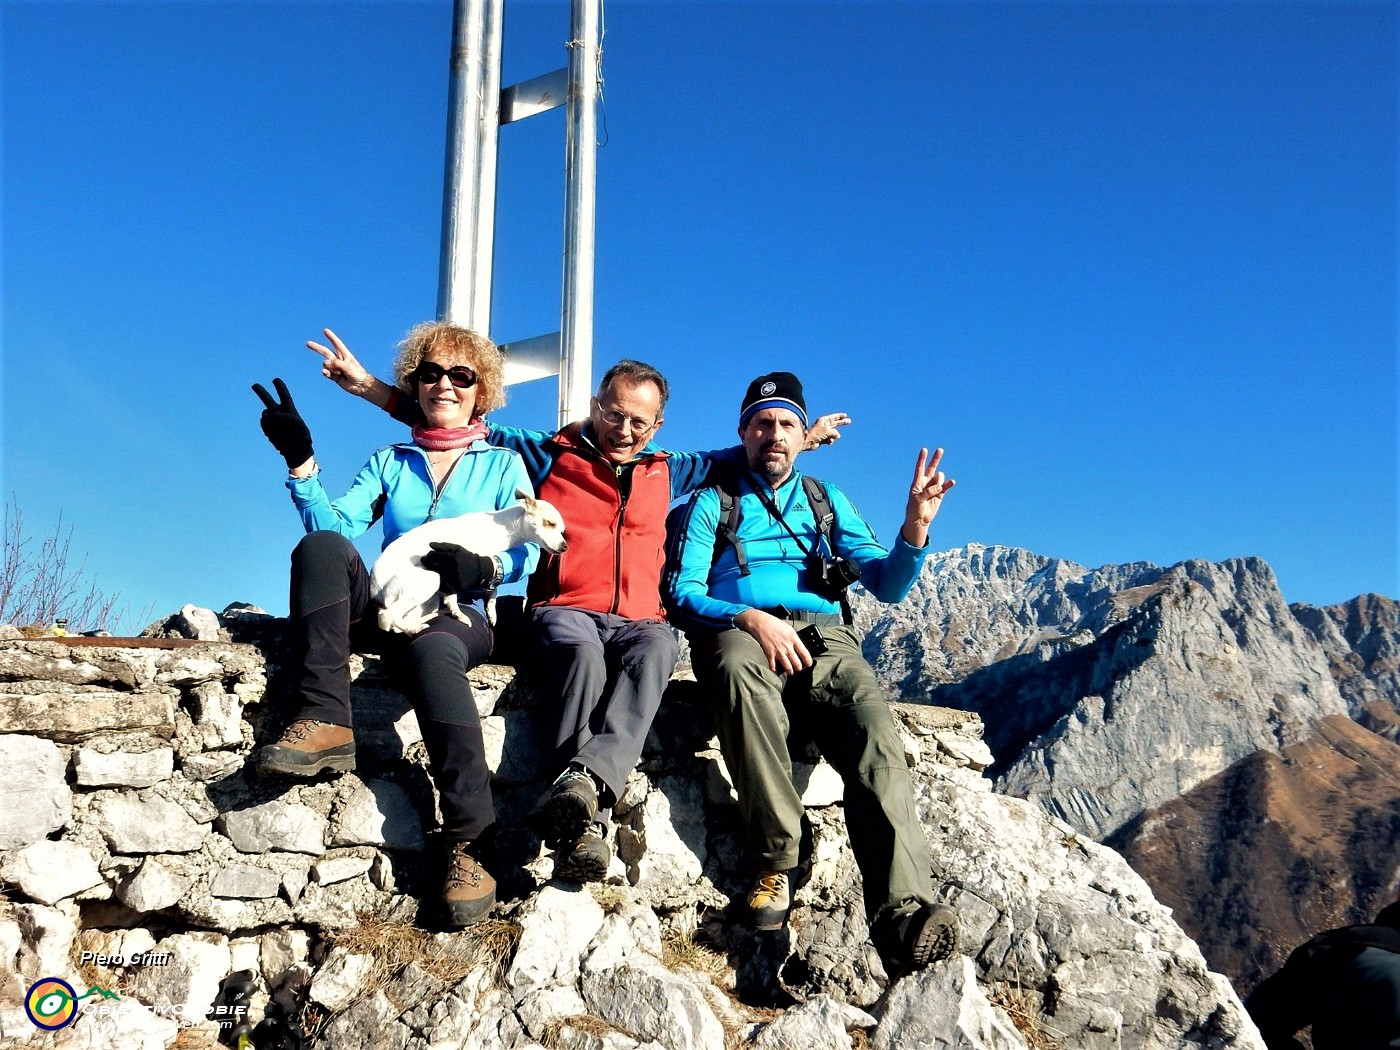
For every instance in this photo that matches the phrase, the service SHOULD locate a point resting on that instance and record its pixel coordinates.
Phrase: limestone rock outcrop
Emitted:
(162, 872)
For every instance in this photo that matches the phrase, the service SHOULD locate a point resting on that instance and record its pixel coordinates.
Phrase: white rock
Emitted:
(123, 1023)
(193, 621)
(964, 750)
(10, 940)
(942, 1006)
(287, 826)
(34, 795)
(154, 825)
(214, 765)
(188, 981)
(653, 1003)
(133, 942)
(218, 716)
(377, 813)
(542, 1006)
(48, 935)
(821, 1023)
(280, 950)
(556, 928)
(136, 769)
(245, 882)
(338, 869)
(49, 871)
(673, 822)
(824, 786)
(342, 976)
(153, 886)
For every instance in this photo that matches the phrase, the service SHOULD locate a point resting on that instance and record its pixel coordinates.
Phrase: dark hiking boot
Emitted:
(770, 900)
(567, 811)
(912, 937)
(308, 747)
(586, 859)
(469, 890)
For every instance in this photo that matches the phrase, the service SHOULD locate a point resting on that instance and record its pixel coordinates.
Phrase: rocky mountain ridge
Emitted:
(1166, 711)
(130, 831)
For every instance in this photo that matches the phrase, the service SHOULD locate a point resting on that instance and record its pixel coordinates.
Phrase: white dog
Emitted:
(410, 594)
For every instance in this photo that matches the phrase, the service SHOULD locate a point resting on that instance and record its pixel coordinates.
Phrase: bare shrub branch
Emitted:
(40, 584)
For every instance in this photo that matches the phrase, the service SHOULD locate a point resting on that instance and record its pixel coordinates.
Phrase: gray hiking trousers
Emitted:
(608, 673)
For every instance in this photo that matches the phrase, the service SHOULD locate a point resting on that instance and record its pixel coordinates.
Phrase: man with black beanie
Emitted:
(761, 597)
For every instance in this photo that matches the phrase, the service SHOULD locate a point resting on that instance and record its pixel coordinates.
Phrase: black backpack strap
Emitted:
(821, 508)
(727, 530)
(825, 516)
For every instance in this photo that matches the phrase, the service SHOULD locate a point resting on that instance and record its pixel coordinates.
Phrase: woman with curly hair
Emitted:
(456, 376)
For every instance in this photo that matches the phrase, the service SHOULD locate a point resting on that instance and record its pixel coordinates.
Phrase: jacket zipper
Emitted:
(617, 543)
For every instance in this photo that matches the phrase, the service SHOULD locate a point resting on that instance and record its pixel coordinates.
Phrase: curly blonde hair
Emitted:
(454, 345)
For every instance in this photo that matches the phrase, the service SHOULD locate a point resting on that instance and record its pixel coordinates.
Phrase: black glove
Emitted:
(283, 426)
(462, 571)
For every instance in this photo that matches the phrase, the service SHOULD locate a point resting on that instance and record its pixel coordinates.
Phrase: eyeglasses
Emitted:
(613, 418)
(459, 376)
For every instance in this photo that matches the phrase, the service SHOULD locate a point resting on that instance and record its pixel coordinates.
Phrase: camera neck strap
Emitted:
(765, 497)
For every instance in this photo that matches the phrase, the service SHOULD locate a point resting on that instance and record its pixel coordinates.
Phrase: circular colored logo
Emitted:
(768, 388)
(51, 1003)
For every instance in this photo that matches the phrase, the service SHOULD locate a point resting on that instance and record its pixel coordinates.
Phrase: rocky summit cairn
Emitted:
(141, 857)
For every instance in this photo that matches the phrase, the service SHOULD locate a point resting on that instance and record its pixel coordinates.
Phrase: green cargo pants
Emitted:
(838, 703)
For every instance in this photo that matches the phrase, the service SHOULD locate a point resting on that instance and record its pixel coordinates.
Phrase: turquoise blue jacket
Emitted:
(704, 592)
(397, 485)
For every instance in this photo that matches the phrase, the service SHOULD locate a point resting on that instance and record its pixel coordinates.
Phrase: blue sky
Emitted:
(1132, 264)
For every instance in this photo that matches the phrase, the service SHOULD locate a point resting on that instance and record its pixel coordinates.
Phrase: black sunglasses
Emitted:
(459, 376)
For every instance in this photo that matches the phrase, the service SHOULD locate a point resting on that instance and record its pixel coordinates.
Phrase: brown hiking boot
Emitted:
(469, 890)
(308, 747)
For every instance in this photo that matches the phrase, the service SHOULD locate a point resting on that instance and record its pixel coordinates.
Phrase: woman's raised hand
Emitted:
(283, 425)
(339, 364)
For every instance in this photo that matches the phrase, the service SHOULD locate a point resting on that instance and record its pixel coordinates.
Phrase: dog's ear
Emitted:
(527, 498)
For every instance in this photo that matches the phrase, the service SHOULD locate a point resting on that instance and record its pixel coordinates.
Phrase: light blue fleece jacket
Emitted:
(397, 485)
(707, 594)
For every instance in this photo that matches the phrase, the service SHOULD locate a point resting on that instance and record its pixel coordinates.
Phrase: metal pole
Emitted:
(469, 181)
(580, 181)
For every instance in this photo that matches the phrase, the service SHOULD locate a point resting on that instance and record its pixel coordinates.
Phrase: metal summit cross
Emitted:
(477, 107)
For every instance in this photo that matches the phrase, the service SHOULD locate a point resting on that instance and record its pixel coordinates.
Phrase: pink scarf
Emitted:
(438, 439)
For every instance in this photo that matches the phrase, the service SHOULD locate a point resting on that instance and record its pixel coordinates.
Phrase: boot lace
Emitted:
(300, 730)
(772, 886)
(464, 868)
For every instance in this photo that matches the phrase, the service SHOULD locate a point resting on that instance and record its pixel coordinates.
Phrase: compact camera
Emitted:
(829, 577)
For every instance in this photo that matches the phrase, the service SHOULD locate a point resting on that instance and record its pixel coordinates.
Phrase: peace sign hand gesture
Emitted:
(340, 365)
(283, 425)
(925, 497)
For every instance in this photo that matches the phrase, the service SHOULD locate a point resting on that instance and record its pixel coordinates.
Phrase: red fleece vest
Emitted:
(615, 555)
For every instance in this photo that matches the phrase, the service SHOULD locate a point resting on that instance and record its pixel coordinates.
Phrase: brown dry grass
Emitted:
(681, 951)
(394, 945)
(195, 1039)
(1021, 1004)
(552, 1038)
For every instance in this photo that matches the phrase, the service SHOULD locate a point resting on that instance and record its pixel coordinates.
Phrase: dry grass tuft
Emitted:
(608, 896)
(195, 1039)
(394, 945)
(1021, 1004)
(552, 1038)
(681, 951)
